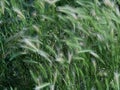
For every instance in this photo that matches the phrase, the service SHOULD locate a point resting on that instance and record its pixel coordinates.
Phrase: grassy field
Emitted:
(59, 45)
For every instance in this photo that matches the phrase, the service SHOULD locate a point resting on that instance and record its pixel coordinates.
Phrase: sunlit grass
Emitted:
(59, 45)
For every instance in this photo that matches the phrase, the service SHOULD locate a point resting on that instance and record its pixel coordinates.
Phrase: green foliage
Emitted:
(59, 45)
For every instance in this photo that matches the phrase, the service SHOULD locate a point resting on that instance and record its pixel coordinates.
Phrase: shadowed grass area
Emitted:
(59, 44)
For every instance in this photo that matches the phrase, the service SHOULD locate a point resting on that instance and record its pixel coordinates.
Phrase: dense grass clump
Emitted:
(59, 45)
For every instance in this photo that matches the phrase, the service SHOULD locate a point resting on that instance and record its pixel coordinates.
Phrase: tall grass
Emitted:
(59, 45)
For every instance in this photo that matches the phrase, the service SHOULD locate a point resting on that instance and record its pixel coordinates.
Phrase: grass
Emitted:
(59, 45)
